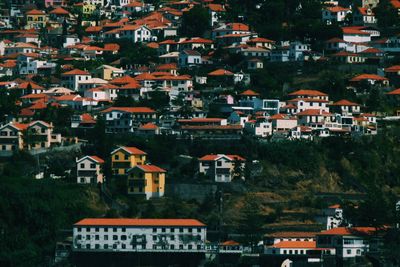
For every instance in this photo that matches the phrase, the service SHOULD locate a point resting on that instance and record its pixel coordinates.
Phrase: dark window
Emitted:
(96, 237)
(115, 237)
(123, 237)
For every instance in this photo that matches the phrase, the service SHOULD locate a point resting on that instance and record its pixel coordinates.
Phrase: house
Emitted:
(36, 135)
(72, 79)
(336, 44)
(147, 181)
(127, 119)
(139, 235)
(370, 79)
(348, 242)
(282, 122)
(222, 168)
(189, 58)
(52, 3)
(261, 42)
(331, 217)
(124, 158)
(259, 128)
(107, 72)
(148, 129)
(255, 64)
(364, 16)
(215, 12)
(82, 121)
(314, 118)
(345, 107)
(335, 14)
(89, 170)
(231, 29)
(275, 238)
(137, 33)
(35, 19)
(297, 248)
(355, 35)
(309, 99)
(348, 58)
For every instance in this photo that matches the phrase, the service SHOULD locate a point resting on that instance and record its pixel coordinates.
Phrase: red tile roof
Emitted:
(249, 93)
(150, 168)
(293, 234)
(130, 109)
(76, 72)
(344, 102)
(213, 157)
(305, 92)
(395, 68)
(296, 244)
(138, 222)
(148, 126)
(97, 159)
(59, 11)
(131, 150)
(313, 112)
(394, 92)
(350, 231)
(35, 12)
(220, 72)
(368, 77)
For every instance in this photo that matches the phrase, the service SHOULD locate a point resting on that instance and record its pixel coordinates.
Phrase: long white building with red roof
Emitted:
(139, 235)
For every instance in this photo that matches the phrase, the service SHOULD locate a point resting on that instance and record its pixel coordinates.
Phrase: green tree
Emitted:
(195, 22)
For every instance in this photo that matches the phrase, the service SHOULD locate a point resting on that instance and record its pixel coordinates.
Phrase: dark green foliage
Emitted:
(195, 22)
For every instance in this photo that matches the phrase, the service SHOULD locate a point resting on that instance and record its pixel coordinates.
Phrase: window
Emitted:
(115, 246)
(154, 237)
(115, 237)
(87, 237)
(190, 230)
(284, 252)
(105, 229)
(180, 230)
(154, 230)
(172, 237)
(97, 229)
(116, 157)
(87, 246)
(79, 237)
(123, 246)
(172, 247)
(198, 247)
(172, 230)
(123, 237)
(114, 229)
(126, 157)
(105, 246)
(92, 166)
(180, 246)
(96, 237)
(79, 229)
(97, 246)
(219, 163)
(190, 246)
(88, 229)
(163, 230)
(349, 251)
(106, 237)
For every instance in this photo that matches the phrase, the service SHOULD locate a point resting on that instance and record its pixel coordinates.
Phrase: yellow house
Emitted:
(124, 158)
(85, 8)
(35, 19)
(147, 181)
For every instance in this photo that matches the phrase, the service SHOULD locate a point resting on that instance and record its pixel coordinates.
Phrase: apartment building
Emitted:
(146, 181)
(139, 235)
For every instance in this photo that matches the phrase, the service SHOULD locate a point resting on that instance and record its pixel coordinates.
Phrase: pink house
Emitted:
(52, 3)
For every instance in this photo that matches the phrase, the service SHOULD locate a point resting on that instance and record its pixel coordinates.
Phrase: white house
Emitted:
(355, 35)
(188, 58)
(364, 16)
(73, 78)
(222, 168)
(139, 235)
(89, 170)
(348, 242)
(335, 14)
(331, 217)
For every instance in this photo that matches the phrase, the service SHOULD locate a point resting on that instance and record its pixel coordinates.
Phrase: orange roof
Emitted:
(168, 66)
(213, 157)
(145, 76)
(212, 127)
(25, 85)
(138, 222)
(368, 77)
(394, 92)
(216, 7)
(395, 68)
(351, 30)
(260, 40)
(238, 26)
(249, 93)
(93, 29)
(220, 72)
(195, 120)
(76, 72)
(296, 244)
(87, 118)
(35, 12)
(335, 206)
(313, 112)
(123, 80)
(344, 102)
(131, 150)
(148, 126)
(350, 231)
(336, 9)
(97, 159)
(130, 109)
(59, 11)
(305, 92)
(230, 243)
(293, 234)
(149, 168)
